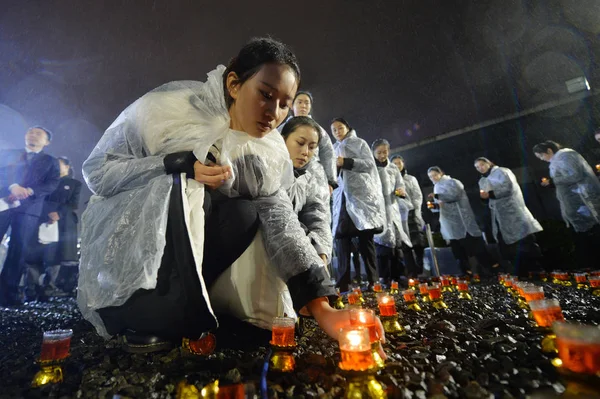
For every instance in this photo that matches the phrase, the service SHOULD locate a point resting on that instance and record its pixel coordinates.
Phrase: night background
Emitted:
(403, 70)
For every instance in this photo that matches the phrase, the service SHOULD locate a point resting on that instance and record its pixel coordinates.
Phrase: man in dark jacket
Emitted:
(27, 177)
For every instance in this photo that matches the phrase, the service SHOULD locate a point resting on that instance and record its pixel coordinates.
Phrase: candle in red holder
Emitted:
(435, 292)
(394, 286)
(581, 280)
(533, 293)
(453, 280)
(463, 290)
(409, 296)
(387, 305)
(283, 332)
(595, 284)
(423, 289)
(595, 273)
(546, 311)
(476, 278)
(578, 347)
(55, 345)
(353, 298)
(355, 349)
(377, 287)
(365, 318)
(446, 287)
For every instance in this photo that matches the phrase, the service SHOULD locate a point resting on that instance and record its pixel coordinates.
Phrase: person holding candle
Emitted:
(358, 205)
(184, 180)
(457, 220)
(390, 243)
(513, 224)
(324, 167)
(414, 217)
(309, 197)
(578, 192)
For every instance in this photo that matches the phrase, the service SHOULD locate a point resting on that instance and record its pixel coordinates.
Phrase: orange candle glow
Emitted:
(377, 287)
(578, 347)
(546, 311)
(55, 345)
(423, 289)
(409, 296)
(387, 305)
(412, 284)
(581, 277)
(595, 281)
(463, 286)
(394, 285)
(365, 318)
(283, 332)
(355, 349)
(533, 293)
(598, 167)
(353, 298)
(453, 280)
(545, 180)
(435, 292)
(595, 273)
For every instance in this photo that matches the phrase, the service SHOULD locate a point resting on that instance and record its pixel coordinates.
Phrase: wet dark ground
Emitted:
(476, 349)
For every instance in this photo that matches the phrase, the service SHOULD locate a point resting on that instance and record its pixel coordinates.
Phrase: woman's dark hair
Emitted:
(342, 121)
(294, 123)
(67, 162)
(307, 94)
(257, 52)
(48, 132)
(435, 169)
(379, 142)
(543, 148)
(484, 159)
(397, 157)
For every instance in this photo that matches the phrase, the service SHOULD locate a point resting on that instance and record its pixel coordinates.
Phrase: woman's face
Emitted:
(262, 102)
(63, 168)
(301, 145)
(381, 153)
(399, 163)
(482, 167)
(339, 130)
(545, 156)
(434, 176)
(302, 105)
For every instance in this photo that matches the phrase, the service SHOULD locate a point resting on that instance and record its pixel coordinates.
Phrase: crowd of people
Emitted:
(195, 176)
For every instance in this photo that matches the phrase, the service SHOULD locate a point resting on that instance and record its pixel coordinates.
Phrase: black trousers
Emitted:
(176, 308)
(468, 247)
(389, 262)
(366, 248)
(522, 256)
(587, 248)
(24, 228)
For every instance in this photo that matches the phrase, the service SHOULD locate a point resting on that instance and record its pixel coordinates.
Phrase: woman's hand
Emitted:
(340, 162)
(212, 176)
(400, 192)
(324, 259)
(332, 320)
(546, 182)
(484, 194)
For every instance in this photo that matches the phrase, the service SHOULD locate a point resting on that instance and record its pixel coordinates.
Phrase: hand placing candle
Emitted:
(355, 349)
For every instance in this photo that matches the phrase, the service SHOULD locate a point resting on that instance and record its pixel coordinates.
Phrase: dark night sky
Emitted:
(73, 65)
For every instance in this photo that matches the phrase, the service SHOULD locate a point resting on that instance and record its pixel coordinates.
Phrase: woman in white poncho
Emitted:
(153, 240)
(513, 225)
(578, 192)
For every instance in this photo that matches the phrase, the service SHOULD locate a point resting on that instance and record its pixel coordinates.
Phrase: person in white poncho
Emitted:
(578, 192)
(184, 180)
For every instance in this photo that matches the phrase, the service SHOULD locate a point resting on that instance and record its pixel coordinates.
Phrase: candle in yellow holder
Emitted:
(435, 294)
(463, 290)
(582, 281)
(361, 299)
(377, 287)
(446, 287)
(595, 285)
(410, 299)
(387, 305)
(55, 349)
(283, 343)
(533, 293)
(412, 284)
(424, 291)
(546, 311)
(353, 299)
(355, 349)
(578, 347)
(394, 287)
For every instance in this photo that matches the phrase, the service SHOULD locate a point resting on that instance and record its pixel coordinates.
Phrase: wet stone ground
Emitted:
(476, 349)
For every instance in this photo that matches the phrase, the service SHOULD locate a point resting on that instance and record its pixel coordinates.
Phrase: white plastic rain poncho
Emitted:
(123, 227)
(577, 189)
(456, 216)
(360, 185)
(394, 232)
(508, 206)
(415, 196)
(310, 200)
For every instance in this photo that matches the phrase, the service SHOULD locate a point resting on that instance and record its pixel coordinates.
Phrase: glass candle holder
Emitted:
(358, 291)
(554, 277)
(463, 290)
(410, 298)
(476, 278)
(424, 291)
(355, 349)
(353, 298)
(546, 311)
(55, 345)
(544, 276)
(581, 281)
(446, 287)
(283, 332)
(533, 293)
(435, 294)
(394, 287)
(377, 287)
(595, 285)
(595, 273)
(453, 281)
(412, 284)
(578, 347)
(365, 318)
(387, 305)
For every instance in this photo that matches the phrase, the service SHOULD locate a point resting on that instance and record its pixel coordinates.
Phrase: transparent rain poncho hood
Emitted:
(508, 206)
(123, 227)
(577, 189)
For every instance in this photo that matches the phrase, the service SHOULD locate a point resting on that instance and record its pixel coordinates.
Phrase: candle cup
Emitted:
(203, 346)
(544, 276)
(533, 293)
(595, 285)
(546, 311)
(446, 287)
(389, 315)
(554, 277)
(361, 299)
(411, 300)
(565, 280)
(412, 284)
(435, 294)
(353, 299)
(453, 281)
(365, 318)
(476, 278)
(377, 287)
(581, 281)
(598, 167)
(364, 386)
(394, 287)
(424, 291)
(282, 335)
(55, 346)
(578, 347)
(463, 290)
(355, 349)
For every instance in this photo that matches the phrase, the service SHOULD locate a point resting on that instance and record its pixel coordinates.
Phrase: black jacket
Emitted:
(65, 200)
(41, 174)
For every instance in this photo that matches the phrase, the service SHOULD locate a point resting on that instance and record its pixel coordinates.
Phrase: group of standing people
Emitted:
(38, 199)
